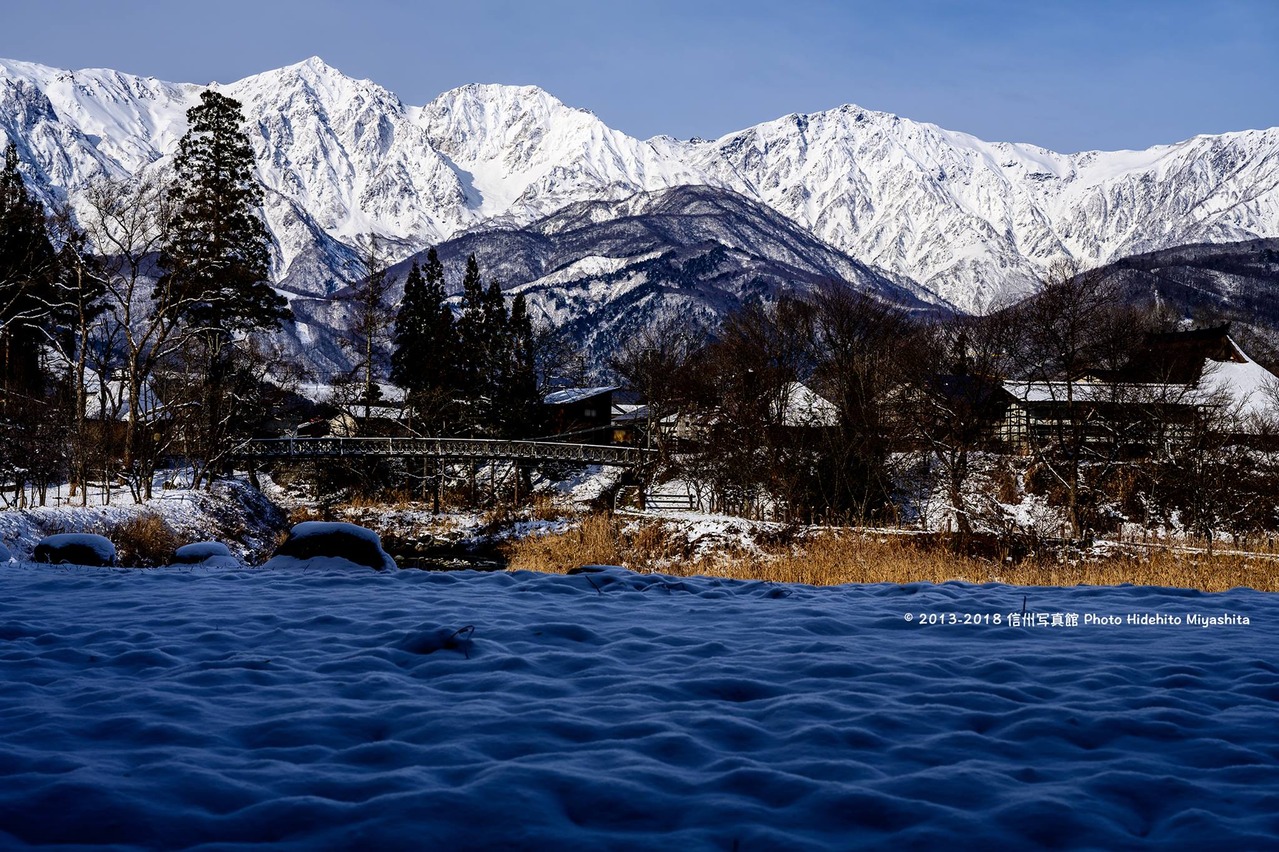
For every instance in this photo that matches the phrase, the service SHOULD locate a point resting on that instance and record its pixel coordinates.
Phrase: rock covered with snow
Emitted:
(314, 544)
(207, 553)
(76, 549)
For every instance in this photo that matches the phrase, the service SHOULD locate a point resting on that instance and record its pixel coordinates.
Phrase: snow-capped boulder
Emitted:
(313, 544)
(75, 549)
(206, 553)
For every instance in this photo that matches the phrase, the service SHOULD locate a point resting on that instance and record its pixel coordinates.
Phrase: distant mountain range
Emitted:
(596, 225)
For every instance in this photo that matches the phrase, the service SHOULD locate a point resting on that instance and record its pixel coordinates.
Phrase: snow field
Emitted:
(188, 706)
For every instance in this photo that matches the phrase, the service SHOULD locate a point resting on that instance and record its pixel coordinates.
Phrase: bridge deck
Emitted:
(446, 448)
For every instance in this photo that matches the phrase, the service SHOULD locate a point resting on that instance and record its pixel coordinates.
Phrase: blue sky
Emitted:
(1067, 74)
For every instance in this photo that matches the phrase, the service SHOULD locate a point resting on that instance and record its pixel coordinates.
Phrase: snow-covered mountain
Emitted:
(976, 222)
(599, 270)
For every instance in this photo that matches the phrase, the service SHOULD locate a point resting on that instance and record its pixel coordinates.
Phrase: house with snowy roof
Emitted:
(1168, 386)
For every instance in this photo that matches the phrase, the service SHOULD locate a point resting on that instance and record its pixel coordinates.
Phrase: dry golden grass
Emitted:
(844, 556)
(145, 540)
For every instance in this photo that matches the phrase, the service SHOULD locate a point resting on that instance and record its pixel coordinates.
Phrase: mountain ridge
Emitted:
(975, 222)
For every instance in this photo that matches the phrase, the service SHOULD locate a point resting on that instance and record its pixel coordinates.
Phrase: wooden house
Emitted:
(1165, 388)
(584, 415)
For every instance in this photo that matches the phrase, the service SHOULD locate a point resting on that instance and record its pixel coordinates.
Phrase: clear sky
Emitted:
(1067, 74)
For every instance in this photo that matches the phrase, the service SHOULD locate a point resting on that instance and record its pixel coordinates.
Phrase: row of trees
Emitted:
(149, 293)
(918, 403)
(473, 375)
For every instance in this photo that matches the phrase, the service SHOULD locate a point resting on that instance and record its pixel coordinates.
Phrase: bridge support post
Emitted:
(439, 485)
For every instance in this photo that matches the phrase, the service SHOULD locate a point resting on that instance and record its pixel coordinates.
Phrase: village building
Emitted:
(1158, 397)
(582, 415)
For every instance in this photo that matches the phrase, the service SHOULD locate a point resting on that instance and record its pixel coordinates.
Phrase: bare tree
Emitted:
(655, 362)
(865, 353)
(1076, 327)
(954, 398)
(126, 222)
(367, 338)
(77, 301)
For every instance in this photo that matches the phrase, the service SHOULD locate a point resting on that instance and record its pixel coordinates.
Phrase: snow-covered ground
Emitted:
(230, 511)
(416, 710)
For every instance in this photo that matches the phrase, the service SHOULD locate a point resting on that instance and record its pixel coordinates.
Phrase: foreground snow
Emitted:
(355, 709)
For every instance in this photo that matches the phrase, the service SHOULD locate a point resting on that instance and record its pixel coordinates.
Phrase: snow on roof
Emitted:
(787, 716)
(630, 414)
(567, 396)
(1094, 391)
(801, 406)
(1248, 390)
(1251, 389)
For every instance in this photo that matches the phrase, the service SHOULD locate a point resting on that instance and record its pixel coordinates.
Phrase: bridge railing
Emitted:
(445, 448)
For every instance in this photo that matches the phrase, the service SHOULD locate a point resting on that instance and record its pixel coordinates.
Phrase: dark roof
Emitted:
(1179, 356)
(985, 396)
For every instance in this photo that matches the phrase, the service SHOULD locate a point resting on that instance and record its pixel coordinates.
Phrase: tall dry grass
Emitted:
(832, 557)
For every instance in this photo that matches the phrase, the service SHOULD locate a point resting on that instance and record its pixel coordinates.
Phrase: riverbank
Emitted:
(717, 546)
(558, 533)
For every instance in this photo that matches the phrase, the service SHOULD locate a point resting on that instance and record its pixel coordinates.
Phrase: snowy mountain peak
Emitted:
(523, 153)
(973, 220)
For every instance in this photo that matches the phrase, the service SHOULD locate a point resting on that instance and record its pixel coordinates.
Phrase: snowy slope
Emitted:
(978, 221)
(972, 220)
(523, 153)
(336, 709)
(599, 270)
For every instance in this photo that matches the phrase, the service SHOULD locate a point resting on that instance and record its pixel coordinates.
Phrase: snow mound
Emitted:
(415, 709)
(76, 549)
(314, 543)
(208, 553)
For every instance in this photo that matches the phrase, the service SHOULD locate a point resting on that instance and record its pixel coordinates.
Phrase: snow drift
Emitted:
(185, 706)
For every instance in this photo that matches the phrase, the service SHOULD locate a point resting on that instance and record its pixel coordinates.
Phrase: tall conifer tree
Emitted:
(472, 347)
(521, 400)
(424, 362)
(27, 274)
(217, 259)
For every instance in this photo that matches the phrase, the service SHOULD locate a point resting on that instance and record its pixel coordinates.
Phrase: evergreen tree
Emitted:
(495, 360)
(28, 266)
(521, 401)
(31, 439)
(217, 262)
(473, 346)
(217, 259)
(424, 360)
